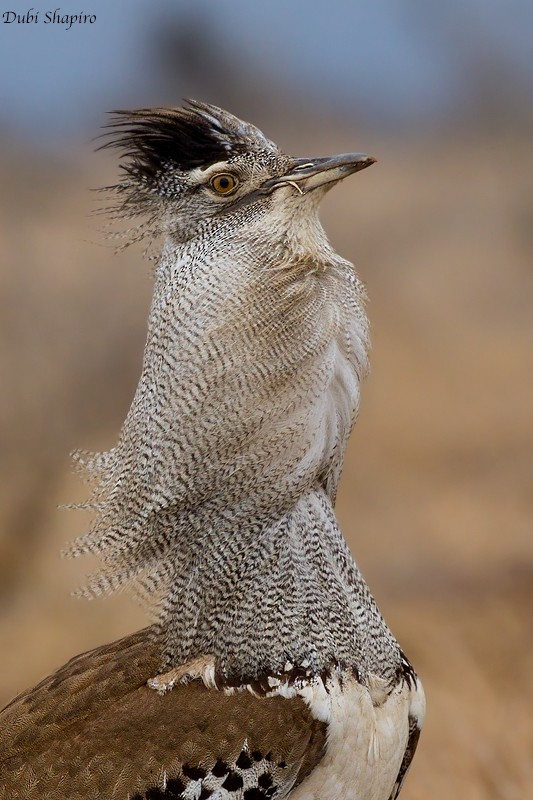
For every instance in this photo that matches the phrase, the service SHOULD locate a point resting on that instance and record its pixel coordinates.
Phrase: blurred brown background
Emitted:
(436, 497)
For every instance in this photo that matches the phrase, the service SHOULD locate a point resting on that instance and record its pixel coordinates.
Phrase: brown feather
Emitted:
(94, 729)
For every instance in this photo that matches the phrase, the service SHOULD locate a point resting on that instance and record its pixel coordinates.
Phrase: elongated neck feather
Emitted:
(218, 495)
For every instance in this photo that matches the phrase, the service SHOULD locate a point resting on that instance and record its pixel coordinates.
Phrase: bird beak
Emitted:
(307, 174)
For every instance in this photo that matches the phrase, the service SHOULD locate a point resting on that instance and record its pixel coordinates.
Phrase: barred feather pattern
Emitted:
(218, 497)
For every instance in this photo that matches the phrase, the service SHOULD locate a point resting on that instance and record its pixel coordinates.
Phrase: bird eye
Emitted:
(223, 183)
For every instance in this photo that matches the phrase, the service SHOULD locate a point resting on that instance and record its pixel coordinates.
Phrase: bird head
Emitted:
(197, 166)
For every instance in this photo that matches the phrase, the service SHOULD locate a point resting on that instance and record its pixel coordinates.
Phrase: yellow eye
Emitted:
(224, 183)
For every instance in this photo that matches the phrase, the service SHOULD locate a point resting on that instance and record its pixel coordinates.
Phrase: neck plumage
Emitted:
(218, 496)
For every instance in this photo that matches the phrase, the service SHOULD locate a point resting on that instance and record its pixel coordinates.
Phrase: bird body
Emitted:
(270, 672)
(102, 727)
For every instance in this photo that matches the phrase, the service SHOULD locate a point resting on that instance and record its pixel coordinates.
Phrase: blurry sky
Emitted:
(390, 62)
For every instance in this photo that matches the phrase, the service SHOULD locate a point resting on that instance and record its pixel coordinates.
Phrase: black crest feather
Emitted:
(196, 135)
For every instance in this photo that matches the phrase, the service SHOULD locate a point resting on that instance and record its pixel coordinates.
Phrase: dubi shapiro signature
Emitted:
(48, 17)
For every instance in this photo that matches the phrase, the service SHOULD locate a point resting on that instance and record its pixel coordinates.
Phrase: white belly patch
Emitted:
(365, 745)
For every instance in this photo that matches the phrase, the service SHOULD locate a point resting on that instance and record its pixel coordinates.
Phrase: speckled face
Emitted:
(217, 194)
(183, 166)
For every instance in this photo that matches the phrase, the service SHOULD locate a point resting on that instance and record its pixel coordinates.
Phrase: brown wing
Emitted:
(95, 730)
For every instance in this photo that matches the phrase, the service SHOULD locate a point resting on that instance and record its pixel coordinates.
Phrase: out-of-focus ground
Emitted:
(436, 499)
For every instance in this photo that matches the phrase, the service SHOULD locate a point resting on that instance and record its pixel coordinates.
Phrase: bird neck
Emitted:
(280, 597)
(230, 454)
